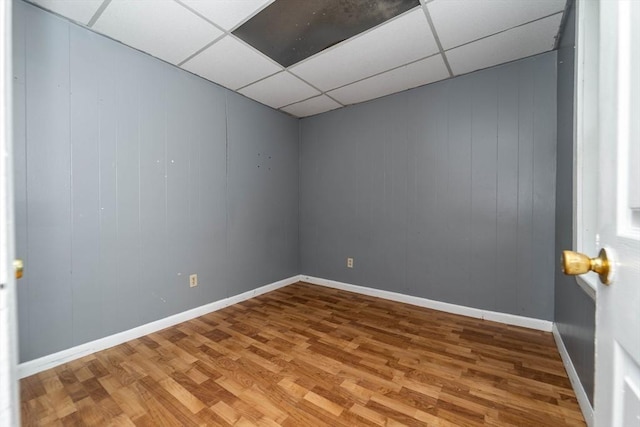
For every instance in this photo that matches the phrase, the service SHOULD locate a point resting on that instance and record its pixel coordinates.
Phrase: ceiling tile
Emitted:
(226, 13)
(519, 42)
(163, 28)
(312, 106)
(390, 45)
(279, 90)
(409, 76)
(231, 63)
(289, 31)
(461, 21)
(78, 10)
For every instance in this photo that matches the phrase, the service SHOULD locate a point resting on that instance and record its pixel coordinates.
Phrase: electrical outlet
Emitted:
(193, 280)
(349, 262)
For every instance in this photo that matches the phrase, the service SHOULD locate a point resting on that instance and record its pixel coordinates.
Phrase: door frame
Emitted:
(586, 131)
(9, 396)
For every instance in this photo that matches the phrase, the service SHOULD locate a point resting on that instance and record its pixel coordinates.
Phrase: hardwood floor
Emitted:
(306, 355)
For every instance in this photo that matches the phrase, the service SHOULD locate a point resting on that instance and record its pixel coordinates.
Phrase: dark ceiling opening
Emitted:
(289, 31)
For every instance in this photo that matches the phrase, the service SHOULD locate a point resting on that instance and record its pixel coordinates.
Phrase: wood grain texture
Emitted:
(306, 355)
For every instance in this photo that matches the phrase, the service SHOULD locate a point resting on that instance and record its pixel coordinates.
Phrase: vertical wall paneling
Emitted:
(127, 190)
(210, 157)
(179, 216)
(458, 201)
(507, 189)
(428, 168)
(524, 248)
(20, 173)
(361, 185)
(85, 184)
(191, 87)
(544, 184)
(123, 171)
(108, 105)
(484, 144)
(262, 193)
(454, 180)
(574, 309)
(309, 147)
(381, 196)
(154, 242)
(48, 154)
(396, 186)
(416, 194)
(347, 186)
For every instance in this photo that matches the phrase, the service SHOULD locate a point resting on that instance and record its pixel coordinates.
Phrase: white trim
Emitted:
(9, 394)
(52, 360)
(581, 395)
(588, 284)
(509, 319)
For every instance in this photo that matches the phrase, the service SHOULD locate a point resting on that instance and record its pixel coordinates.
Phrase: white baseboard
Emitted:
(52, 360)
(581, 395)
(509, 319)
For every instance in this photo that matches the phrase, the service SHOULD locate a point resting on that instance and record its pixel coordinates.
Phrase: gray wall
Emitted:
(574, 309)
(132, 174)
(445, 192)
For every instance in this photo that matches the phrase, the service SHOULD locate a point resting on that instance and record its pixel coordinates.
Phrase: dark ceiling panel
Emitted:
(289, 31)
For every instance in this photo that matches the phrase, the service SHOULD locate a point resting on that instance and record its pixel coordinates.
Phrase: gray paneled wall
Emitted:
(445, 192)
(574, 309)
(263, 213)
(131, 175)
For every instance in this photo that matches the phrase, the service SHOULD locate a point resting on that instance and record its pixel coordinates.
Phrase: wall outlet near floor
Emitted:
(349, 262)
(193, 280)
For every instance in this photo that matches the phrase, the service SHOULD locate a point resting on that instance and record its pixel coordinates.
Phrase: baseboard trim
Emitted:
(509, 319)
(52, 360)
(581, 395)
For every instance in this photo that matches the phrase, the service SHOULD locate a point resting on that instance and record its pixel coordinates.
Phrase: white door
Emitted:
(609, 198)
(9, 404)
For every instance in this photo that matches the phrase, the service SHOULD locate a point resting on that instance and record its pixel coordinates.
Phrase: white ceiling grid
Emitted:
(396, 55)
(416, 74)
(518, 42)
(312, 106)
(231, 63)
(227, 13)
(163, 28)
(396, 42)
(75, 10)
(280, 90)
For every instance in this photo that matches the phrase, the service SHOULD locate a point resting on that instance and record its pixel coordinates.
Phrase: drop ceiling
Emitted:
(435, 40)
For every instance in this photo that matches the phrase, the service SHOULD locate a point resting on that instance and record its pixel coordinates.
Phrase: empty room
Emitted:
(320, 213)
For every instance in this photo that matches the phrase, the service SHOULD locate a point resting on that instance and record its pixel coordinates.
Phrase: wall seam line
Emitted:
(71, 221)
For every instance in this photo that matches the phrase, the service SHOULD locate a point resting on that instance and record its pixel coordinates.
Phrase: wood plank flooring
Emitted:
(306, 355)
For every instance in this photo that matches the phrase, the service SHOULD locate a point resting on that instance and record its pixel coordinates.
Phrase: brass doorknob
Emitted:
(18, 266)
(574, 263)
